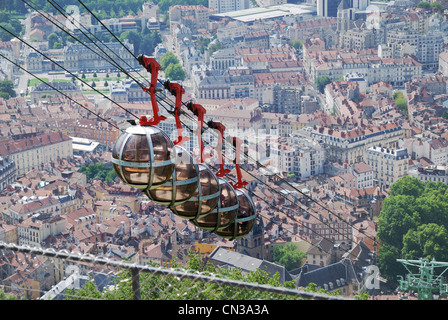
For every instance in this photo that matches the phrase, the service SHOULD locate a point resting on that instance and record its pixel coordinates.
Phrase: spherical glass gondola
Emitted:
(245, 218)
(143, 157)
(183, 182)
(224, 213)
(204, 199)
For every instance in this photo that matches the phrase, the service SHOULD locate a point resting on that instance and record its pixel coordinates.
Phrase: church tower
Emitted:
(253, 243)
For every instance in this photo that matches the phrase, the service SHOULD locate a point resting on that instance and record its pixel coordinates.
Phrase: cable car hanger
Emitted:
(220, 128)
(199, 111)
(153, 67)
(177, 90)
(237, 144)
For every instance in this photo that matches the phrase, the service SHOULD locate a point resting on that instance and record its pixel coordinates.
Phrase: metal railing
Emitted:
(62, 274)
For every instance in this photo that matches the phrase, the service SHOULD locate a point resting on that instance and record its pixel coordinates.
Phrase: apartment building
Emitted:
(223, 6)
(357, 39)
(336, 64)
(127, 91)
(429, 47)
(339, 95)
(436, 150)
(34, 230)
(100, 132)
(394, 71)
(8, 233)
(271, 87)
(363, 174)
(286, 100)
(224, 86)
(327, 8)
(436, 85)
(57, 89)
(443, 63)
(28, 207)
(36, 149)
(300, 157)
(224, 59)
(193, 16)
(329, 227)
(430, 173)
(231, 30)
(398, 44)
(350, 145)
(302, 30)
(402, 36)
(77, 57)
(258, 39)
(107, 210)
(8, 172)
(416, 20)
(389, 165)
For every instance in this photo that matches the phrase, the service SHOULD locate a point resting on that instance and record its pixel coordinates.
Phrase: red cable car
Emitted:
(143, 157)
(183, 183)
(245, 218)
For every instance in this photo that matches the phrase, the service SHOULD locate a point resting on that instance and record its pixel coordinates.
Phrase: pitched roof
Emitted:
(231, 259)
(332, 273)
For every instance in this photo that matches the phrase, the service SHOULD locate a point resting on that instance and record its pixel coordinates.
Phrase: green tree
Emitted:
(436, 6)
(134, 38)
(150, 41)
(388, 265)
(7, 89)
(14, 6)
(167, 59)
(215, 46)
(175, 72)
(398, 215)
(52, 39)
(424, 5)
(413, 223)
(400, 102)
(321, 82)
(98, 171)
(11, 24)
(407, 186)
(203, 43)
(445, 114)
(4, 296)
(289, 256)
(297, 44)
(428, 241)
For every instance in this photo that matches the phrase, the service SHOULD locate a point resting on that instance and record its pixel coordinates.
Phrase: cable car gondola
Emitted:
(143, 157)
(224, 213)
(183, 183)
(204, 199)
(245, 218)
